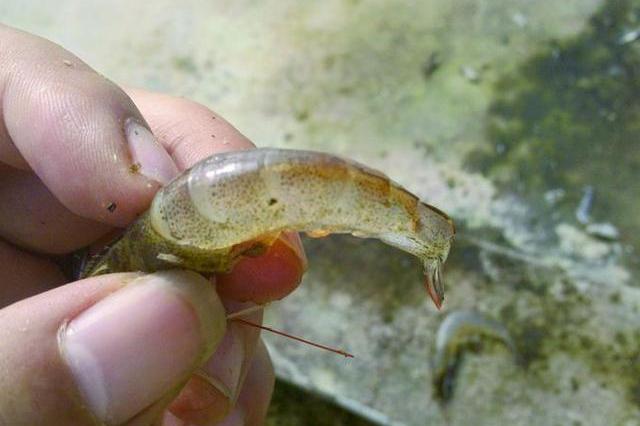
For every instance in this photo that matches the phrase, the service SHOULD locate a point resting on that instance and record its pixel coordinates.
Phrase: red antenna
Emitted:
(299, 339)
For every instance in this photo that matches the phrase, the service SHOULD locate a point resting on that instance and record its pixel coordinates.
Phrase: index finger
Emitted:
(94, 157)
(90, 146)
(78, 132)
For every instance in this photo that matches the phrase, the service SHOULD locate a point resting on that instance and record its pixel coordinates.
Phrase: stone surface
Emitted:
(499, 112)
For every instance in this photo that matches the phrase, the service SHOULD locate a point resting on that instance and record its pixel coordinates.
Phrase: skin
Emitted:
(60, 128)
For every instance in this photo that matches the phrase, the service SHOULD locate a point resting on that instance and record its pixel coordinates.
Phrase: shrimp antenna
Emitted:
(296, 338)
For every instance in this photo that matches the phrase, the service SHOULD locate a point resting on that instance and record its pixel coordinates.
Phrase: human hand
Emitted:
(78, 160)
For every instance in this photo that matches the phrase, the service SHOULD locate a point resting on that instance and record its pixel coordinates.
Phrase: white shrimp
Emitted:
(237, 203)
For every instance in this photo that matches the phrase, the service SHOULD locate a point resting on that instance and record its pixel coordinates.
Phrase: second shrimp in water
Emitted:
(236, 204)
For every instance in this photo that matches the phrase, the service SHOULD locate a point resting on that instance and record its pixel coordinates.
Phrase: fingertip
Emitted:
(83, 128)
(200, 402)
(174, 320)
(74, 115)
(210, 394)
(188, 130)
(251, 406)
(36, 386)
(265, 278)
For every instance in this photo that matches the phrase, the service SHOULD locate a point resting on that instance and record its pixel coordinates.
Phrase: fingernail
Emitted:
(149, 157)
(235, 418)
(202, 401)
(224, 369)
(168, 419)
(292, 239)
(228, 366)
(128, 350)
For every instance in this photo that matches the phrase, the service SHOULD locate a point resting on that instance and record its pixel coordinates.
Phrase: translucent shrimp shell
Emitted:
(235, 203)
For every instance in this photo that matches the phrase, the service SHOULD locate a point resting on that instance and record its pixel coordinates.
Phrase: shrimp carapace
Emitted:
(237, 203)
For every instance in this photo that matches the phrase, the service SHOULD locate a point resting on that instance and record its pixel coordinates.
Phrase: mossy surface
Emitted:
(569, 118)
(293, 406)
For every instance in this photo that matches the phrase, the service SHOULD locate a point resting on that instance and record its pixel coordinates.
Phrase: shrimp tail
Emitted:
(434, 283)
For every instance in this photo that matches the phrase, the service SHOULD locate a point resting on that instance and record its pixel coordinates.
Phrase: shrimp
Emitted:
(237, 203)
(458, 330)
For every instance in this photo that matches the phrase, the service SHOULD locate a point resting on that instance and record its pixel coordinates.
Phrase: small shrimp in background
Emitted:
(459, 331)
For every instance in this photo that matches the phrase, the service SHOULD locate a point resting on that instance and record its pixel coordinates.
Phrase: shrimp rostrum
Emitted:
(237, 203)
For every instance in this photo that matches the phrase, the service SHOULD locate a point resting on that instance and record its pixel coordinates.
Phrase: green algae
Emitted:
(293, 406)
(185, 64)
(562, 325)
(560, 320)
(569, 117)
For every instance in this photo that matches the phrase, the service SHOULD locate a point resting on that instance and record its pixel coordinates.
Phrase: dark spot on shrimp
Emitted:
(273, 201)
(112, 207)
(255, 249)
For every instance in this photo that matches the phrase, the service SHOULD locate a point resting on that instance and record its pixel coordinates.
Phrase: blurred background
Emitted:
(519, 118)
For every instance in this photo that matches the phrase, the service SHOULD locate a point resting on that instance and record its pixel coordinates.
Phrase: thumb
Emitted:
(108, 349)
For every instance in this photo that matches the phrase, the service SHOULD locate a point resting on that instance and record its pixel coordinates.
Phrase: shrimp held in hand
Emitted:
(237, 203)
